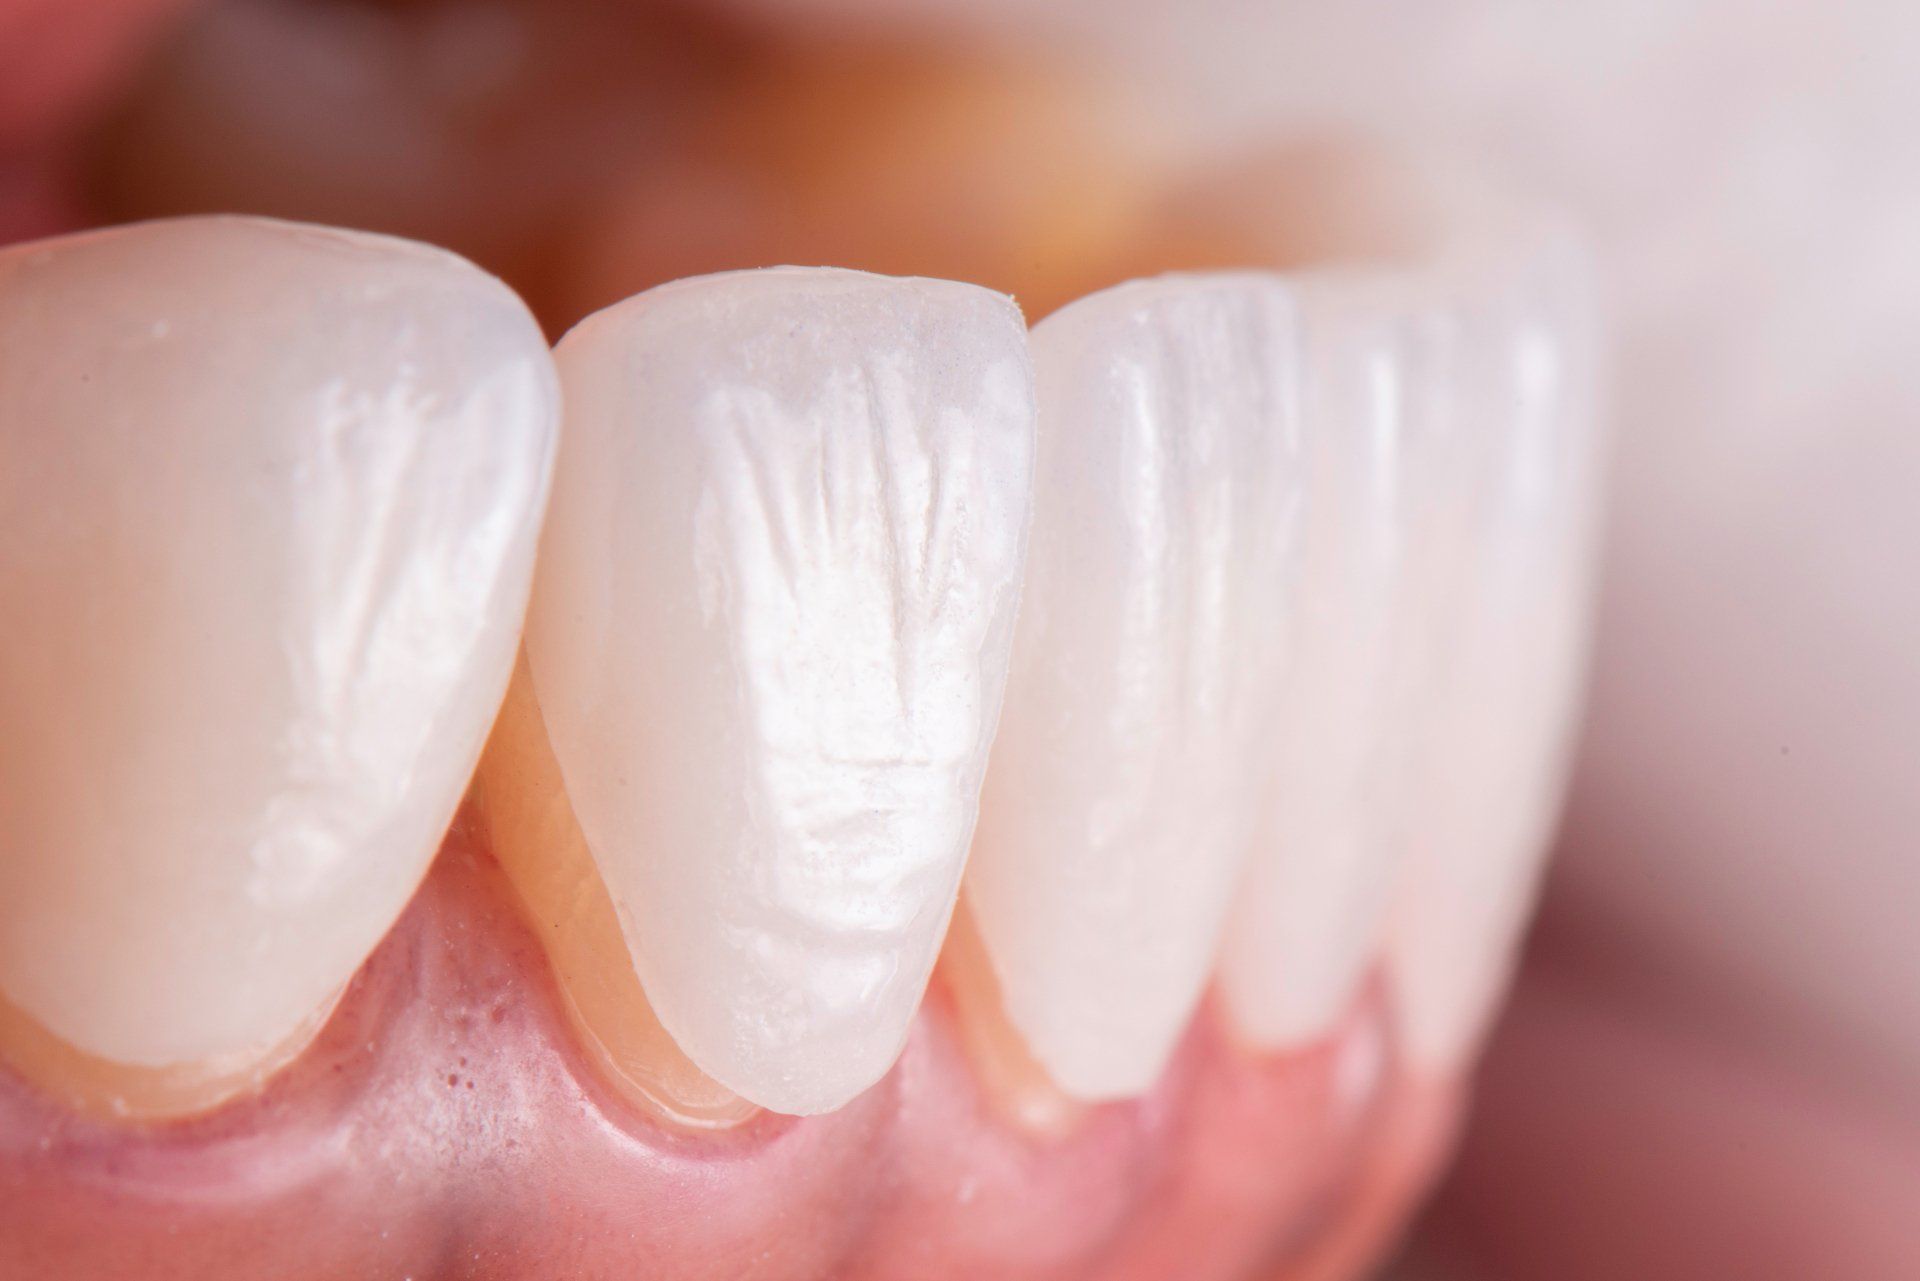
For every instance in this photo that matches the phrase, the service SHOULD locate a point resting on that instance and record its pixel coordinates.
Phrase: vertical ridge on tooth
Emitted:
(770, 635)
(1147, 665)
(269, 496)
(1391, 444)
(1508, 678)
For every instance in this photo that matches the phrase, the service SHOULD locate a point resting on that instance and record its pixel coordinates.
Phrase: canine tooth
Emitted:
(769, 636)
(1508, 679)
(269, 496)
(1146, 669)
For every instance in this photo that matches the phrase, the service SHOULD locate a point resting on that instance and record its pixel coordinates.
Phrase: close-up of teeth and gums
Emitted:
(991, 708)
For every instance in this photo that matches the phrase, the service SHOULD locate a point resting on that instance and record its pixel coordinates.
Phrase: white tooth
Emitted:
(1508, 667)
(1306, 920)
(269, 496)
(770, 637)
(1147, 666)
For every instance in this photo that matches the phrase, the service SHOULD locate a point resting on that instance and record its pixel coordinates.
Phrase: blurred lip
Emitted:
(58, 56)
(1623, 1130)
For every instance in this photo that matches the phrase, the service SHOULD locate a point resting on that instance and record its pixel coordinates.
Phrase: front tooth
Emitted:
(1395, 436)
(269, 496)
(1508, 674)
(1147, 666)
(770, 639)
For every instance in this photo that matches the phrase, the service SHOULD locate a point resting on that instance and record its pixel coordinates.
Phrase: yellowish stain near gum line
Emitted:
(523, 808)
(530, 825)
(1013, 1080)
(99, 1087)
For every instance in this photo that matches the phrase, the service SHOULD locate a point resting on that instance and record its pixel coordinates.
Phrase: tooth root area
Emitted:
(268, 503)
(770, 639)
(1147, 665)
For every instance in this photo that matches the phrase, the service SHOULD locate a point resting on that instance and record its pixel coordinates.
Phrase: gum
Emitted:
(446, 1124)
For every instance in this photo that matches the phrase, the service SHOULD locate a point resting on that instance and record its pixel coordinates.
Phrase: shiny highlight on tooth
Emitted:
(769, 638)
(1154, 636)
(1288, 695)
(269, 497)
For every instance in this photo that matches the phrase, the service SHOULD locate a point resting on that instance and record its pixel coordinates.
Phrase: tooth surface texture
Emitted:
(1447, 530)
(1391, 445)
(770, 636)
(1508, 666)
(1147, 665)
(269, 498)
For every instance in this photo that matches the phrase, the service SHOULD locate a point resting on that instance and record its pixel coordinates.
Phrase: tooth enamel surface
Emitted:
(1507, 674)
(769, 636)
(1406, 425)
(1306, 919)
(1147, 666)
(269, 496)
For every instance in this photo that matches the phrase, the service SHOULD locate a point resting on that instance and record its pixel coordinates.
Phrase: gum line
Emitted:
(446, 1125)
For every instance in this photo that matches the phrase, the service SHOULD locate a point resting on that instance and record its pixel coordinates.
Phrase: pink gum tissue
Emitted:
(445, 1124)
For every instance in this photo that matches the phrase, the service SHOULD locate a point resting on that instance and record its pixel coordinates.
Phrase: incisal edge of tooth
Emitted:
(769, 636)
(269, 496)
(1509, 669)
(1148, 661)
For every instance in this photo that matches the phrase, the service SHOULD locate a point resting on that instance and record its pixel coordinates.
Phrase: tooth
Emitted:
(1508, 669)
(521, 803)
(1386, 451)
(268, 502)
(1147, 664)
(770, 638)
